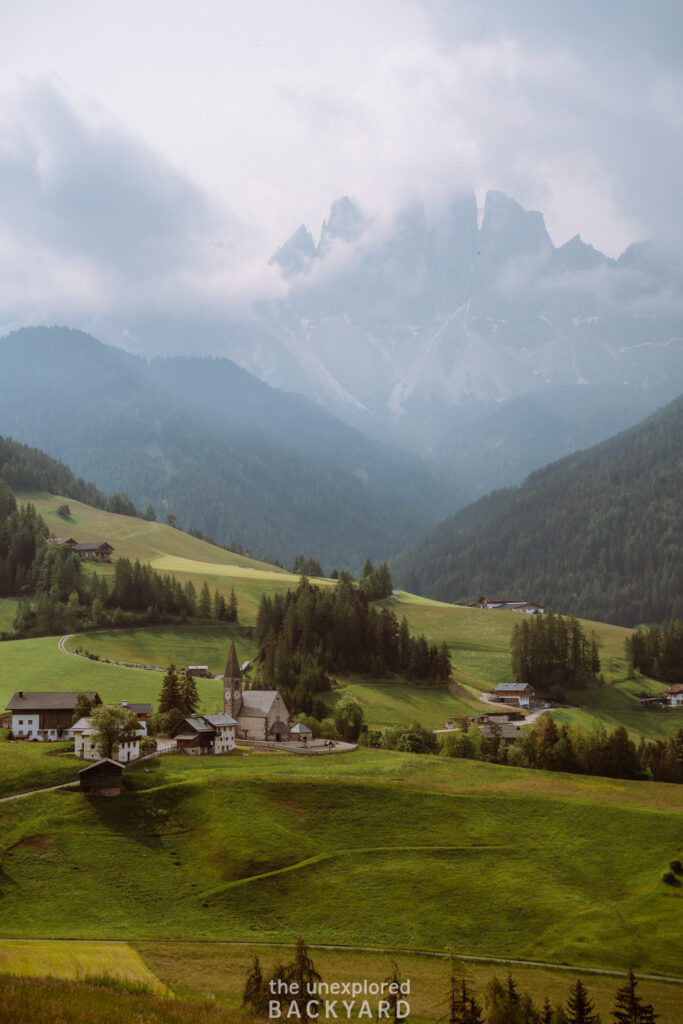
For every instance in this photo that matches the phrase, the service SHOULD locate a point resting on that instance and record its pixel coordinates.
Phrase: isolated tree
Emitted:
(169, 697)
(115, 725)
(171, 519)
(150, 514)
(64, 511)
(580, 1006)
(189, 698)
(82, 707)
(255, 993)
(348, 718)
(629, 1007)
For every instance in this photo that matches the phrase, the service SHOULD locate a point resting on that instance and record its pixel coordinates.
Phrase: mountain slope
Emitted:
(197, 439)
(597, 534)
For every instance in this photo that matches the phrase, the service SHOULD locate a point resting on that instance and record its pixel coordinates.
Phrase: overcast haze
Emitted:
(150, 149)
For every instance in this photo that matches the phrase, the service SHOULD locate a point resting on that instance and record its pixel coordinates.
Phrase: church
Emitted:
(260, 714)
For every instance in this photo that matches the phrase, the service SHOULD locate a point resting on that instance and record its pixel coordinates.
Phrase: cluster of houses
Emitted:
(100, 549)
(506, 603)
(48, 716)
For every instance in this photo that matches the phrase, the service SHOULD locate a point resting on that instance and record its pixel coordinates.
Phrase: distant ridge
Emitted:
(597, 534)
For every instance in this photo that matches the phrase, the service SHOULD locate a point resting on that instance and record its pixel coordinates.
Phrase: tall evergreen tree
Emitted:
(580, 1006)
(187, 692)
(255, 992)
(204, 605)
(629, 1007)
(169, 697)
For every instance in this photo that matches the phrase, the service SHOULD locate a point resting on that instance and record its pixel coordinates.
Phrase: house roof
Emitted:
(676, 688)
(54, 700)
(204, 668)
(505, 730)
(232, 669)
(511, 687)
(61, 540)
(99, 764)
(300, 728)
(94, 545)
(220, 719)
(139, 709)
(250, 712)
(84, 725)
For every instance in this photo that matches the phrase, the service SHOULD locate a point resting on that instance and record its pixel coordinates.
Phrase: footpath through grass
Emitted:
(482, 858)
(28, 766)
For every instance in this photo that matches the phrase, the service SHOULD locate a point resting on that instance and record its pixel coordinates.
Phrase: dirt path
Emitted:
(61, 645)
(32, 792)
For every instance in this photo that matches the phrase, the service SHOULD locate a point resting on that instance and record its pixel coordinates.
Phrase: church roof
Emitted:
(261, 699)
(232, 669)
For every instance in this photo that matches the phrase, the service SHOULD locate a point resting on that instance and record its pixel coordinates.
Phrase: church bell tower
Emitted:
(232, 685)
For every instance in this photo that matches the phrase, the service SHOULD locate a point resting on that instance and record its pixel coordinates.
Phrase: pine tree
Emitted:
(232, 606)
(303, 972)
(579, 1006)
(204, 606)
(169, 697)
(255, 993)
(189, 698)
(629, 1008)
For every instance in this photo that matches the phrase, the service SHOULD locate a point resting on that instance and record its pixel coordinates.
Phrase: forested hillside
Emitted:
(597, 534)
(209, 454)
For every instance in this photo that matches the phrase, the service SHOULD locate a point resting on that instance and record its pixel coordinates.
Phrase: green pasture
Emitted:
(77, 961)
(195, 644)
(8, 609)
(27, 766)
(39, 665)
(394, 702)
(483, 858)
(194, 970)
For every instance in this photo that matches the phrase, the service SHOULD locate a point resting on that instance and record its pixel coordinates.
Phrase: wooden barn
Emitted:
(45, 715)
(520, 694)
(104, 778)
(93, 549)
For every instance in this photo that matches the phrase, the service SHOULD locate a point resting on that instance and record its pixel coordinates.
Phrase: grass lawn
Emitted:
(39, 665)
(196, 644)
(8, 609)
(77, 961)
(398, 703)
(482, 858)
(27, 766)
(195, 969)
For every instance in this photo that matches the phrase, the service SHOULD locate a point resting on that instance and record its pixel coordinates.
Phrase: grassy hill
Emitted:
(497, 860)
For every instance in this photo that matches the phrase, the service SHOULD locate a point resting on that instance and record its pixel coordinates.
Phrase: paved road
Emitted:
(32, 792)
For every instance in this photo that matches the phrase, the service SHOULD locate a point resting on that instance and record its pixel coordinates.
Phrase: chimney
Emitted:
(124, 703)
(21, 693)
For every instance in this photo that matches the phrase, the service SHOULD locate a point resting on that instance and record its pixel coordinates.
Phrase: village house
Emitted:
(507, 603)
(201, 671)
(143, 711)
(60, 542)
(674, 696)
(45, 716)
(93, 549)
(206, 734)
(85, 742)
(519, 694)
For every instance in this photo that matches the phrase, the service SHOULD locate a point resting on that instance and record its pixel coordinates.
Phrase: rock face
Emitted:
(421, 328)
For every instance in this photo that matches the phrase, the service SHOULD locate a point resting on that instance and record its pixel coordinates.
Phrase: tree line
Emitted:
(657, 652)
(596, 534)
(295, 990)
(308, 633)
(552, 653)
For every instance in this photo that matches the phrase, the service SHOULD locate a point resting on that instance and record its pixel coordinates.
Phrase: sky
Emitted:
(150, 148)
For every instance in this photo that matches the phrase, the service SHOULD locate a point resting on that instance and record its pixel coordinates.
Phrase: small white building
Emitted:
(85, 742)
(674, 696)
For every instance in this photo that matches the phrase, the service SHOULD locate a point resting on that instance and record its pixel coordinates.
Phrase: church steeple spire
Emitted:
(232, 684)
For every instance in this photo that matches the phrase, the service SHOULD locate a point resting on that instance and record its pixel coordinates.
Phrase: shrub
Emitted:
(669, 878)
(676, 867)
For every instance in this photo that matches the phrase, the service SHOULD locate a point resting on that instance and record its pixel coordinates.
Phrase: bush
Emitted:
(676, 867)
(669, 878)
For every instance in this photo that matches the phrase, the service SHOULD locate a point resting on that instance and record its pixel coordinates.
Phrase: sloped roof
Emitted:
(139, 709)
(221, 719)
(84, 725)
(512, 687)
(54, 700)
(98, 764)
(250, 712)
(300, 728)
(262, 699)
(232, 669)
(92, 545)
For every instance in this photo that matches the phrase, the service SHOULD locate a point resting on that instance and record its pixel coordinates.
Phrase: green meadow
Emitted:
(28, 766)
(482, 858)
(77, 961)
